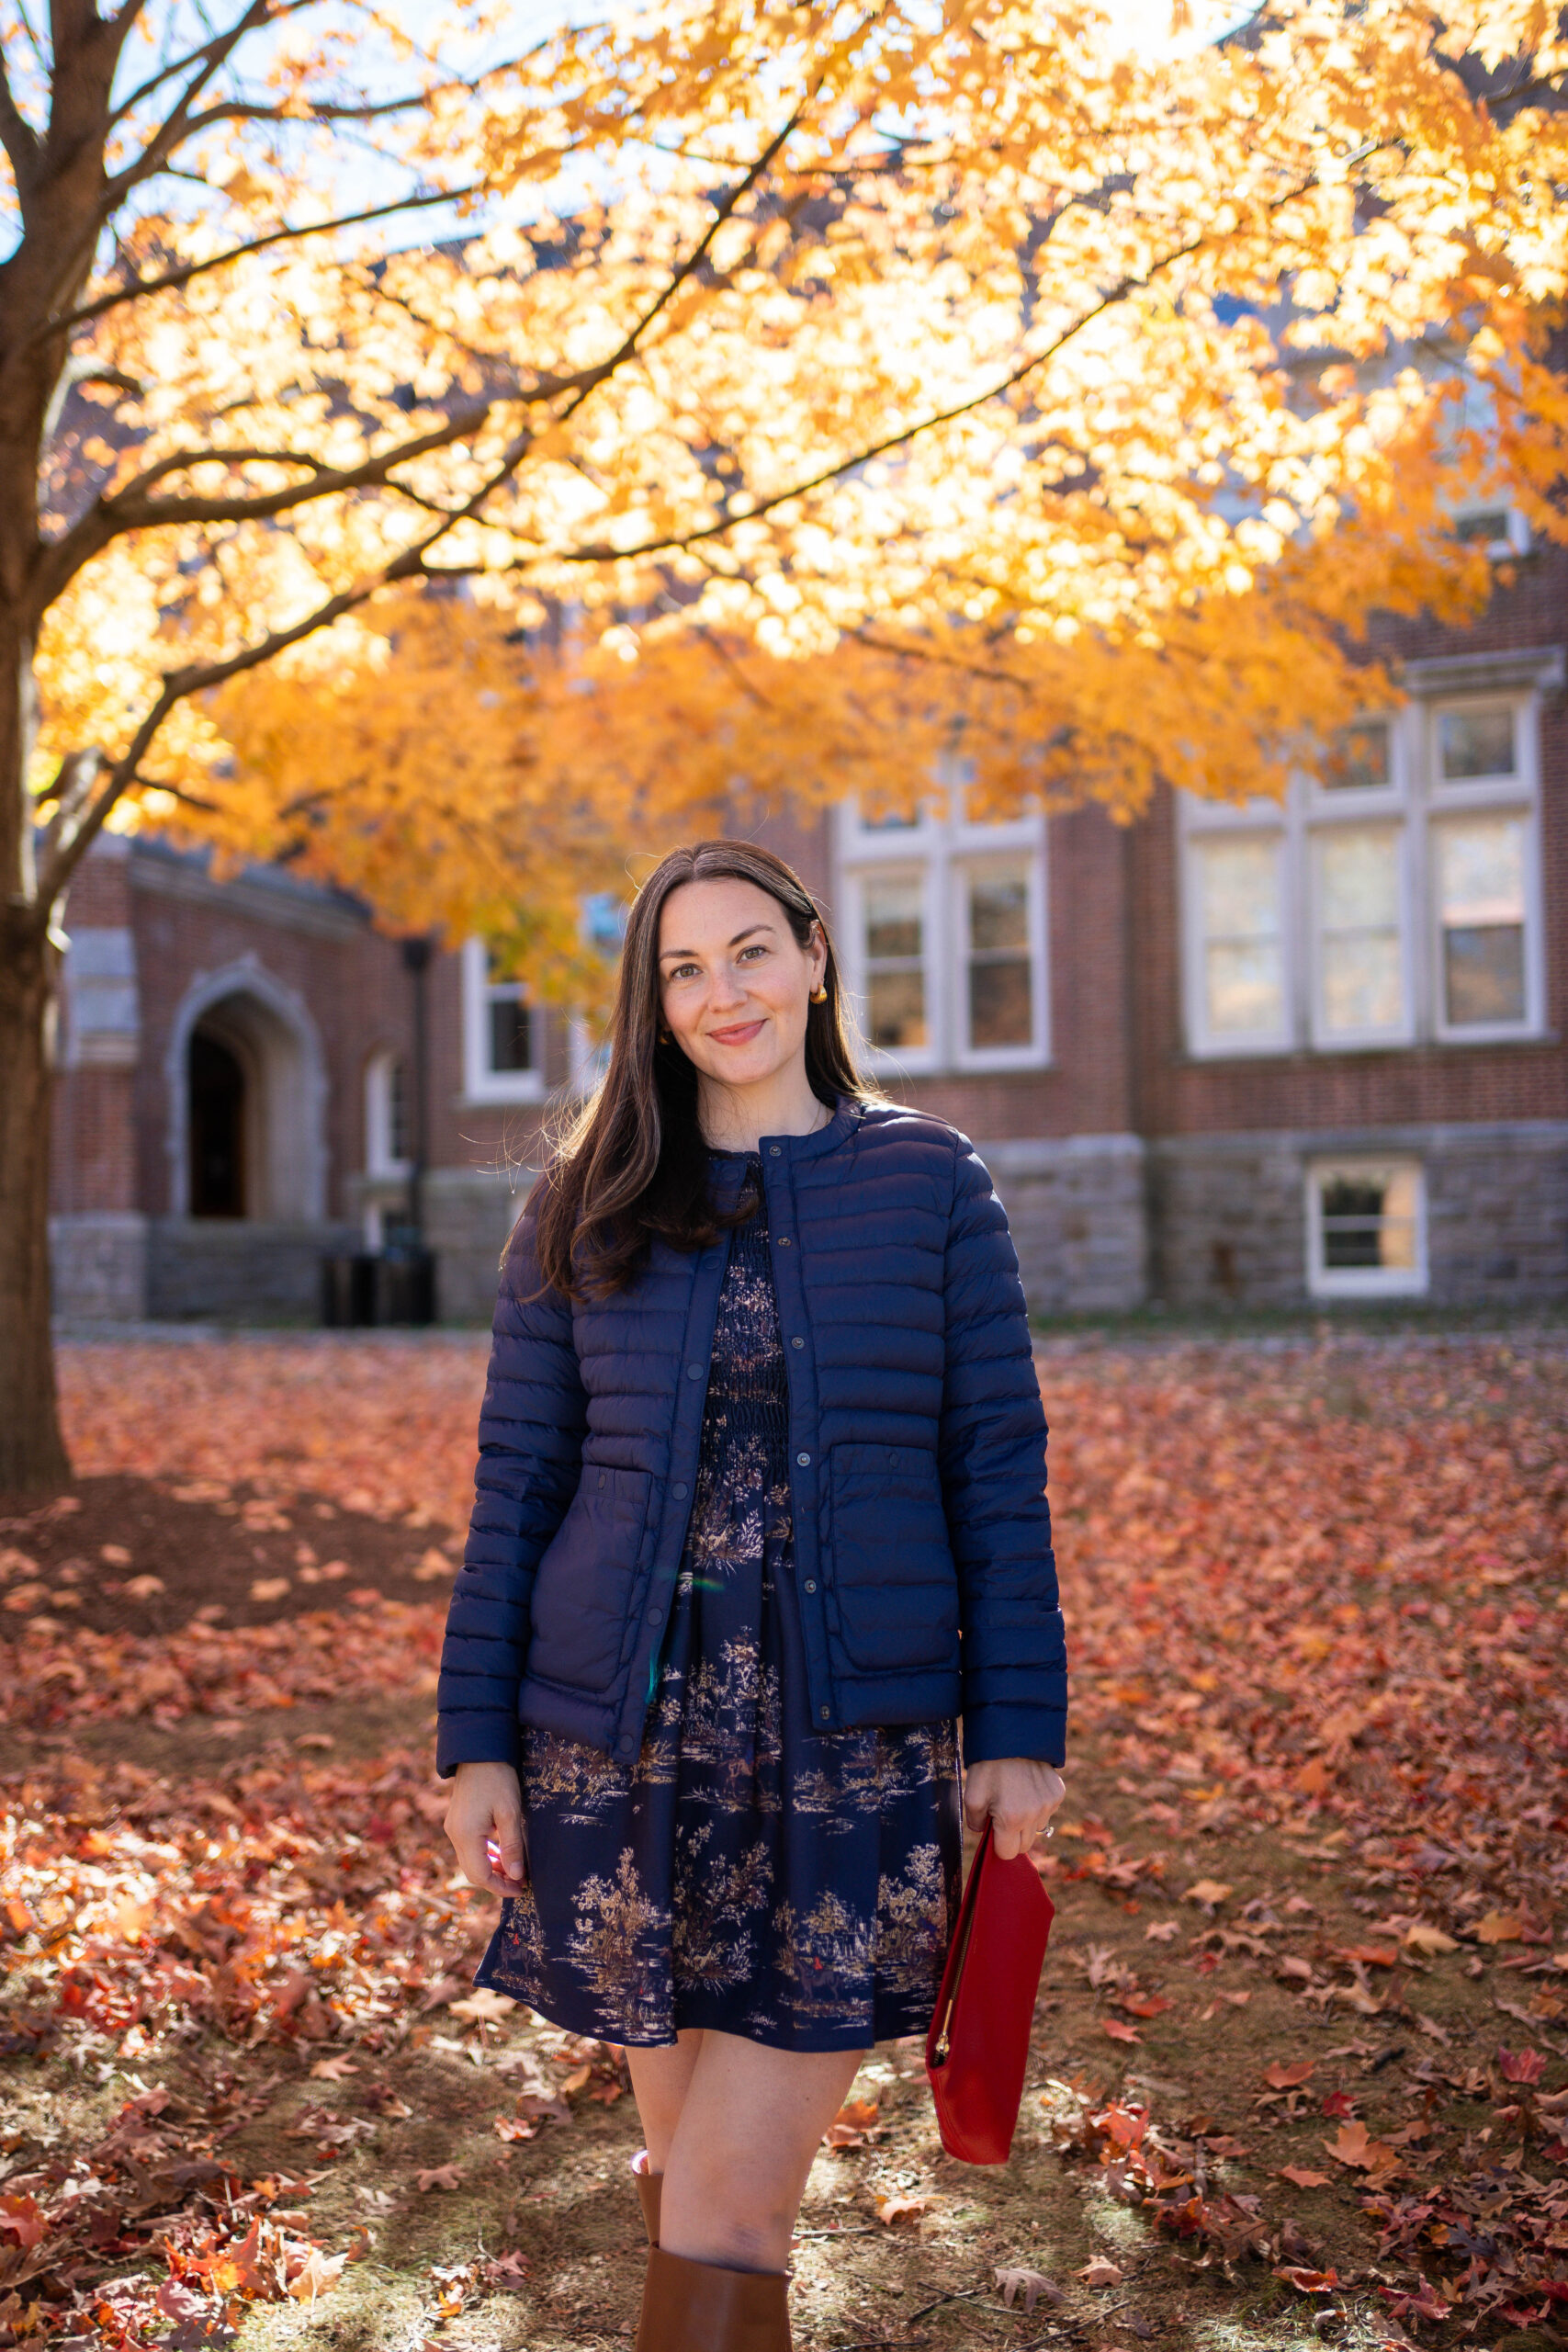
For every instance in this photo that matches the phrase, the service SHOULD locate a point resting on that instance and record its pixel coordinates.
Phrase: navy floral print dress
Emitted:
(746, 1873)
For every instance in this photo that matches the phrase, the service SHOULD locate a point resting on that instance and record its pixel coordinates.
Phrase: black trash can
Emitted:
(348, 1289)
(405, 1284)
(361, 1288)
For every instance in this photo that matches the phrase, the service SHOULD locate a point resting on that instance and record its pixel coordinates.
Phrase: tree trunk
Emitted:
(32, 1454)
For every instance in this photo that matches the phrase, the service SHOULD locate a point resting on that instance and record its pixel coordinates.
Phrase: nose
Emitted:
(728, 988)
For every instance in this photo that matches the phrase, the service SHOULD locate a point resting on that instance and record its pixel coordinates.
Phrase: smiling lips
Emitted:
(741, 1034)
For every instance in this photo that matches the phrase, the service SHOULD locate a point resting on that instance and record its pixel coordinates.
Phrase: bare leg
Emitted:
(661, 2079)
(750, 2124)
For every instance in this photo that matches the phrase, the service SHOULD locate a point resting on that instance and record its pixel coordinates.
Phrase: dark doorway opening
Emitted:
(216, 1129)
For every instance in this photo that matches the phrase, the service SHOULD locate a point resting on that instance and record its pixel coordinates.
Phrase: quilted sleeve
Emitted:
(530, 1430)
(993, 1470)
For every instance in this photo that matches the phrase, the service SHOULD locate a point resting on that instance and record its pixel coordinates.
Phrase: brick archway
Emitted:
(271, 1037)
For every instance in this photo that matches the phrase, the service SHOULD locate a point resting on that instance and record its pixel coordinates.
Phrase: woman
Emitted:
(760, 1510)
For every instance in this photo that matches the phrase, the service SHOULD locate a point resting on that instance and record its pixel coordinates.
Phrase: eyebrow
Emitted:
(734, 942)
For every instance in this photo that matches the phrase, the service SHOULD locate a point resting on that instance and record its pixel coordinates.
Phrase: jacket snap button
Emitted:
(823, 1712)
(797, 1343)
(680, 1492)
(810, 1584)
(773, 1151)
(783, 1241)
(803, 1459)
(626, 1744)
(893, 1459)
(694, 1372)
(656, 1616)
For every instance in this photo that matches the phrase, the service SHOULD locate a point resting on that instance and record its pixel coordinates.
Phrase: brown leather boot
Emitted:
(698, 2307)
(649, 2184)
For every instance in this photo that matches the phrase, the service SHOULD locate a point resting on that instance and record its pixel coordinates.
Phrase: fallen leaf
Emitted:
(318, 2272)
(1159, 1931)
(335, 2069)
(1301, 2177)
(1421, 1936)
(1354, 2146)
(1289, 2078)
(507, 2270)
(1210, 1891)
(1100, 2272)
(1308, 2282)
(1521, 2065)
(892, 2209)
(1120, 2032)
(271, 1588)
(439, 2176)
(850, 2126)
(1500, 1928)
(142, 1587)
(513, 2127)
(1031, 2285)
(482, 2006)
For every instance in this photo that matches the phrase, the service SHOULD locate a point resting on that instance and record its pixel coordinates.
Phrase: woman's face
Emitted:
(733, 984)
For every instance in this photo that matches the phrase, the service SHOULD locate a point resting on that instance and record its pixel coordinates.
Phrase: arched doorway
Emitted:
(247, 1098)
(216, 1079)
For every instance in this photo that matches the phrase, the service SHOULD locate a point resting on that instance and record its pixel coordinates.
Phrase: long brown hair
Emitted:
(633, 1162)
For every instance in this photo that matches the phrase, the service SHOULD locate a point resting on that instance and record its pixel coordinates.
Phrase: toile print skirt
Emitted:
(746, 1873)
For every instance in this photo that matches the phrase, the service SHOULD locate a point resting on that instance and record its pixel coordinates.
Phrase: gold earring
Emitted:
(664, 1035)
(819, 993)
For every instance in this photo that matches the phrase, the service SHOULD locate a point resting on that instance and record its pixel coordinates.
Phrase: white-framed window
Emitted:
(942, 936)
(387, 1125)
(1366, 1228)
(1498, 527)
(502, 1045)
(1393, 895)
(1239, 990)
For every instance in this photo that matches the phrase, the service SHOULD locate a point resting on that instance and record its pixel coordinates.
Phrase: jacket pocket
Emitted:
(893, 1585)
(583, 1593)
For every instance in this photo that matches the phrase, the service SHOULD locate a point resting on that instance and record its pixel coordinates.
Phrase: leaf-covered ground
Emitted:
(1301, 2055)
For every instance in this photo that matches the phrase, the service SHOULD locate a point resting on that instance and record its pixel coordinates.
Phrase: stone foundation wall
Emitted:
(98, 1267)
(469, 1214)
(1075, 1207)
(206, 1268)
(1228, 1213)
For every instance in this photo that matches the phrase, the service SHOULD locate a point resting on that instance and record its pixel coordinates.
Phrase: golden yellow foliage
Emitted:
(801, 393)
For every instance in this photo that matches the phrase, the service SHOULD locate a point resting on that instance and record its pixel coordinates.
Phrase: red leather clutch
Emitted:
(977, 2049)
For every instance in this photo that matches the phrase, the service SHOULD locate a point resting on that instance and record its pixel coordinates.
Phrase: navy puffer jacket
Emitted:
(917, 1448)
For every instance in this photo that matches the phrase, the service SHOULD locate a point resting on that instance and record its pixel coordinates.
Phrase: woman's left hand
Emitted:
(1017, 1796)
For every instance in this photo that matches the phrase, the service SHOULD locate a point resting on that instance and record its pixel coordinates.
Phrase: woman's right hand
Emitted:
(486, 1811)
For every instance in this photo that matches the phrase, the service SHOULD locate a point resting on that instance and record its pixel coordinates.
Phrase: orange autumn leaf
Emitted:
(1281, 2077)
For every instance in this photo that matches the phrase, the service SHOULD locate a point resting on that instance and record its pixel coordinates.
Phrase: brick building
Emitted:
(1222, 1056)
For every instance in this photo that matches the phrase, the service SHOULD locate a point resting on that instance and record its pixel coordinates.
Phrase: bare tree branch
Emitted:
(187, 270)
(724, 209)
(187, 61)
(62, 857)
(129, 510)
(17, 136)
